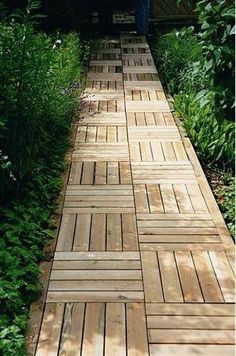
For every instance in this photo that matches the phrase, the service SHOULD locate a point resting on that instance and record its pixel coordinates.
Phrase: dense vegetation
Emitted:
(197, 66)
(39, 80)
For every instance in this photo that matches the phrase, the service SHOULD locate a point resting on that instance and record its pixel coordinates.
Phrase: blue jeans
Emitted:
(142, 9)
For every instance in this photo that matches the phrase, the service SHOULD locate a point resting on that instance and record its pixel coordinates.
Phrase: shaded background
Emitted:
(74, 14)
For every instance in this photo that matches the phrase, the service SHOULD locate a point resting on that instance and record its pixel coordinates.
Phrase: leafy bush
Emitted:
(217, 40)
(198, 70)
(175, 52)
(227, 204)
(214, 140)
(39, 77)
(35, 107)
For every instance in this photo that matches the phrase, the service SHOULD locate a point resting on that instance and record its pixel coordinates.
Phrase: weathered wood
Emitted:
(135, 184)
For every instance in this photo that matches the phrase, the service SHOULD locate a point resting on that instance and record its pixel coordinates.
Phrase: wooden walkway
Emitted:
(144, 261)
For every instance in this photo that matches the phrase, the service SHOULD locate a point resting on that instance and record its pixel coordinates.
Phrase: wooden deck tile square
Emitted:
(98, 232)
(96, 276)
(188, 327)
(168, 173)
(187, 277)
(100, 172)
(99, 329)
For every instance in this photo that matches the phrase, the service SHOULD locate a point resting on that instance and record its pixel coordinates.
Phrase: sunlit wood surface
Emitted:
(144, 264)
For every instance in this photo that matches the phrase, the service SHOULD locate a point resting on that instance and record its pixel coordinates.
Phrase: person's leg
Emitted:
(147, 14)
(140, 16)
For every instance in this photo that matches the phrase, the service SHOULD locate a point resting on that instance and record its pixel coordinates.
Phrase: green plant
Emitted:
(40, 77)
(227, 204)
(174, 52)
(214, 140)
(37, 76)
(217, 40)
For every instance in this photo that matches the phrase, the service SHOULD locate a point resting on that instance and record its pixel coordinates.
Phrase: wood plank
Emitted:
(151, 277)
(181, 246)
(71, 338)
(49, 338)
(95, 285)
(182, 198)
(209, 285)
(98, 233)
(168, 197)
(141, 202)
(139, 85)
(95, 275)
(115, 335)
(110, 62)
(93, 338)
(169, 276)
(190, 322)
(95, 297)
(97, 264)
(88, 256)
(224, 275)
(100, 173)
(82, 233)
(137, 344)
(154, 197)
(176, 217)
(66, 232)
(191, 336)
(130, 241)
(196, 198)
(139, 69)
(207, 309)
(191, 350)
(188, 277)
(114, 233)
(152, 238)
(147, 106)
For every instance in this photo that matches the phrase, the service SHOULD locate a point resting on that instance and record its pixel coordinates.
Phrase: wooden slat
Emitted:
(49, 338)
(93, 338)
(137, 344)
(95, 275)
(224, 275)
(95, 297)
(191, 322)
(191, 309)
(88, 256)
(191, 336)
(170, 279)
(95, 285)
(147, 106)
(188, 277)
(71, 338)
(151, 277)
(115, 336)
(191, 350)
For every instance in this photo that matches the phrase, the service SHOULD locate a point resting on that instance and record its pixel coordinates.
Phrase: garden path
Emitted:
(144, 261)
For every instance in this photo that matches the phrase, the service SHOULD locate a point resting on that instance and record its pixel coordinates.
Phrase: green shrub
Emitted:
(217, 19)
(174, 52)
(214, 140)
(227, 204)
(36, 72)
(39, 77)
